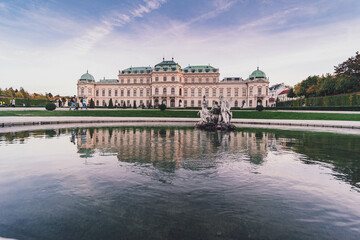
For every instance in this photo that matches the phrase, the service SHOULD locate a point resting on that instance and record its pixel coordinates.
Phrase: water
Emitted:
(157, 183)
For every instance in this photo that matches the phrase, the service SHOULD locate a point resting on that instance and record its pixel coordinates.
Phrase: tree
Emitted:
(111, 105)
(162, 107)
(124, 105)
(134, 105)
(349, 70)
(291, 93)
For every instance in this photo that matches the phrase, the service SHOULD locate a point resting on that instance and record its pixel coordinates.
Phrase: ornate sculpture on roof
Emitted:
(219, 117)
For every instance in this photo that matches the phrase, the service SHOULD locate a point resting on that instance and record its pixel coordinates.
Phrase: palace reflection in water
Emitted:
(169, 145)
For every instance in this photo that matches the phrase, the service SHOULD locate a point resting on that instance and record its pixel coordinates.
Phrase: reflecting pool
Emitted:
(178, 183)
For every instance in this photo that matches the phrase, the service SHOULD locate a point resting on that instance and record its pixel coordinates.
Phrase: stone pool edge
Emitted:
(6, 122)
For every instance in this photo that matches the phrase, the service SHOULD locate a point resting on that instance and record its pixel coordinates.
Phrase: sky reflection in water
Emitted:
(158, 183)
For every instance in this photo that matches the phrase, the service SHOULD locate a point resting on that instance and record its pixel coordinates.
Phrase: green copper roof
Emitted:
(200, 68)
(167, 64)
(257, 74)
(87, 77)
(108, 80)
(137, 70)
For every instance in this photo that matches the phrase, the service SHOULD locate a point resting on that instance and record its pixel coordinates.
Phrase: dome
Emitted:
(87, 77)
(257, 74)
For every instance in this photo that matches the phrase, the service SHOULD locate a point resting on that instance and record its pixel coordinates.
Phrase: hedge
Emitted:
(328, 101)
(28, 102)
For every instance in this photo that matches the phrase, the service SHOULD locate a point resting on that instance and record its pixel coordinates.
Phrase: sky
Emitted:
(45, 46)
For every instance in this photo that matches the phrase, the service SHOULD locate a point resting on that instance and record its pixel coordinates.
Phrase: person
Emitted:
(13, 102)
(84, 103)
(60, 102)
(73, 103)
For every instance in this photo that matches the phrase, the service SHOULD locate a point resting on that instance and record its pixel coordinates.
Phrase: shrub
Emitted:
(162, 107)
(135, 105)
(92, 103)
(50, 106)
(259, 108)
(111, 105)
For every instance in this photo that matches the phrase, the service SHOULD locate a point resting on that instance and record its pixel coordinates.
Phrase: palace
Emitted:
(174, 86)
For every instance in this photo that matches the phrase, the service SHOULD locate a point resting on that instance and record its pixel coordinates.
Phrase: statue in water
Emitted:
(219, 117)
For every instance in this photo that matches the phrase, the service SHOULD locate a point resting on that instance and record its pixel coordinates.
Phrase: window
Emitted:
(122, 92)
(186, 82)
(109, 92)
(267, 91)
(173, 91)
(128, 81)
(207, 92)
(214, 92)
(214, 79)
(221, 91)
(236, 92)
(193, 92)
(128, 93)
(199, 103)
(122, 80)
(244, 92)
(259, 90)
(97, 102)
(185, 103)
(89, 91)
(185, 93)
(173, 79)
(141, 80)
(199, 92)
(141, 92)
(141, 102)
(180, 79)
(193, 80)
(250, 103)
(156, 79)
(164, 78)
(164, 91)
(147, 92)
(156, 91)
(148, 80)
(97, 93)
(134, 93)
(192, 103)
(116, 93)
(104, 103)
(200, 79)
(82, 91)
(128, 103)
(229, 92)
(251, 91)
(207, 80)
(103, 92)
(236, 104)
(135, 80)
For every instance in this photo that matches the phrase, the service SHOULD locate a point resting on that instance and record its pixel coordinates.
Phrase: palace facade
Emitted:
(174, 86)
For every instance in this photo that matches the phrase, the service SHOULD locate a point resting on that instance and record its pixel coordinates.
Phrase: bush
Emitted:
(111, 105)
(50, 106)
(259, 108)
(92, 103)
(135, 105)
(162, 107)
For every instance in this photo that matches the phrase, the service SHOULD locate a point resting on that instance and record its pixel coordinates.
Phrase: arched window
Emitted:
(172, 91)
(173, 79)
(236, 104)
(164, 91)
(156, 91)
(97, 102)
(172, 103)
(164, 78)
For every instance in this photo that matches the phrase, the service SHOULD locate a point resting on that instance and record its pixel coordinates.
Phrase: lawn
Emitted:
(184, 114)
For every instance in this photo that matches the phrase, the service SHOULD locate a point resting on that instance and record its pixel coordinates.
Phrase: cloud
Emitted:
(94, 35)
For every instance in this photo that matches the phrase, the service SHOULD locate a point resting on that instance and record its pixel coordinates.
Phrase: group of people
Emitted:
(75, 103)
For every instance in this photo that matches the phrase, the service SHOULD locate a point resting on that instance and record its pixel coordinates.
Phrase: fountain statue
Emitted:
(219, 117)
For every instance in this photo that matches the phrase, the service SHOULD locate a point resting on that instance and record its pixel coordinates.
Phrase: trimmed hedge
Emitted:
(328, 101)
(28, 102)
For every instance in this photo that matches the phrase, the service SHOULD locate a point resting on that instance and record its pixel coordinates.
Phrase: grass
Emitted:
(183, 114)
